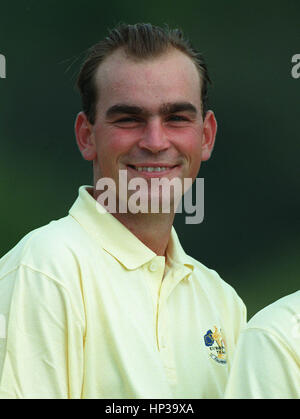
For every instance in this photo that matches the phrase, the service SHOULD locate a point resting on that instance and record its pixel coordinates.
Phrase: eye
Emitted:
(128, 121)
(177, 118)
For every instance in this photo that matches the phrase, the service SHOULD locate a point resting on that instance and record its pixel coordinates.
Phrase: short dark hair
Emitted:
(140, 41)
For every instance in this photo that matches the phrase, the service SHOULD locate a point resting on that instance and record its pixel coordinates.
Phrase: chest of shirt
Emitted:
(148, 336)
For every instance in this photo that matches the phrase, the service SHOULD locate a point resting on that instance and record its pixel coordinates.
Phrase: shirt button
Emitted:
(153, 267)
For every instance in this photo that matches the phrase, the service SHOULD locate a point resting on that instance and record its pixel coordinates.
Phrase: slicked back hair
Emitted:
(140, 41)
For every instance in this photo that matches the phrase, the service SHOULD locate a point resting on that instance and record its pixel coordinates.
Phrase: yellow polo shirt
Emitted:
(91, 312)
(267, 362)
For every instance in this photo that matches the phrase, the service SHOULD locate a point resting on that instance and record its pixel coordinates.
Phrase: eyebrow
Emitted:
(167, 108)
(178, 107)
(123, 109)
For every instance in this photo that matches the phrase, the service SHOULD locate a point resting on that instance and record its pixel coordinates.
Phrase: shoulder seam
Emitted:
(24, 265)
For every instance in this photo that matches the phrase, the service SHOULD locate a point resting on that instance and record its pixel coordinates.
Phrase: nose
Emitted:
(154, 137)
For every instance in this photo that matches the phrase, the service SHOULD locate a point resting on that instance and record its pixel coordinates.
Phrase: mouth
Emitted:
(152, 170)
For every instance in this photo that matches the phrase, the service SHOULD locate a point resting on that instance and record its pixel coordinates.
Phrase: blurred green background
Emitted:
(250, 233)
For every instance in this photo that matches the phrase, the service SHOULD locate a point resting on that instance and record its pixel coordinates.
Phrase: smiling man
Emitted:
(104, 304)
(148, 118)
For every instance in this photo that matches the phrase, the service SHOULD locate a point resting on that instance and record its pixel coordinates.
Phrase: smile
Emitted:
(151, 169)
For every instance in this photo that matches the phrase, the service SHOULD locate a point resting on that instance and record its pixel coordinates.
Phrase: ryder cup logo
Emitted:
(157, 195)
(214, 341)
(2, 67)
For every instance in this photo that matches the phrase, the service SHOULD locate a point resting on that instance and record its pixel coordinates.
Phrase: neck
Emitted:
(151, 229)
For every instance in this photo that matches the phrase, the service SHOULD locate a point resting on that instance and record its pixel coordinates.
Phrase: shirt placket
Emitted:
(171, 280)
(155, 272)
(161, 288)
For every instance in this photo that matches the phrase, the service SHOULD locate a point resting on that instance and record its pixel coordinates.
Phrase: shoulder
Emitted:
(266, 364)
(217, 289)
(50, 250)
(212, 281)
(43, 270)
(280, 321)
(278, 315)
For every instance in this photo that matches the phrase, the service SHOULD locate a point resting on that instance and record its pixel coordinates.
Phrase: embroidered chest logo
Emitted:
(215, 343)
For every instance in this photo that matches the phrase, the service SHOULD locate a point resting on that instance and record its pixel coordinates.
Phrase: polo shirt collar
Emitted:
(115, 238)
(176, 254)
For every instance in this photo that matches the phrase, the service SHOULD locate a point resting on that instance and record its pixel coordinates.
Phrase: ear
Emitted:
(209, 135)
(84, 137)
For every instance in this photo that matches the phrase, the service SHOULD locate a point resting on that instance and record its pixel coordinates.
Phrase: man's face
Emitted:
(149, 118)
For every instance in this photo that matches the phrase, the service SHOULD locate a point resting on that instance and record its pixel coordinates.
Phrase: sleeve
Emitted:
(42, 353)
(264, 367)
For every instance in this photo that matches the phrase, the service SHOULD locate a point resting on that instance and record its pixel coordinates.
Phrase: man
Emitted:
(106, 304)
(267, 361)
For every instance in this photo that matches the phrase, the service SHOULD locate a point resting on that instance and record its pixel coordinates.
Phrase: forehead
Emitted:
(171, 77)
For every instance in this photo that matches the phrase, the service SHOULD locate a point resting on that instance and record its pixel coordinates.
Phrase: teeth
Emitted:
(150, 169)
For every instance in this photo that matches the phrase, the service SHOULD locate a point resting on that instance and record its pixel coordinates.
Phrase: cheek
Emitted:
(189, 143)
(190, 147)
(196, 157)
(111, 144)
